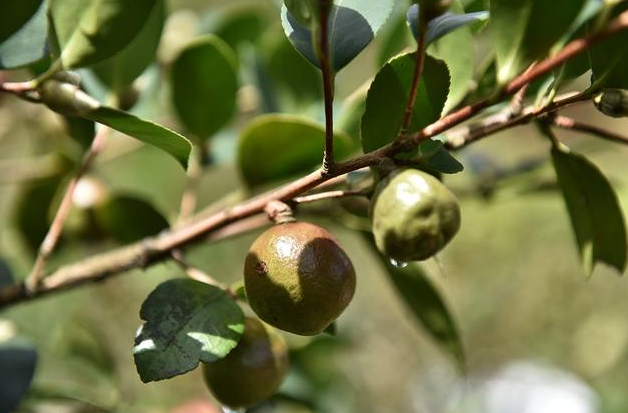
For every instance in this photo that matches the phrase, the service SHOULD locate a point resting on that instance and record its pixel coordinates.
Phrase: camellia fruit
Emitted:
(413, 215)
(298, 278)
(252, 371)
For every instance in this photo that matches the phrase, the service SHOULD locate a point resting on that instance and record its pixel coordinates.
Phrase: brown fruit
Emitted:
(298, 278)
(252, 371)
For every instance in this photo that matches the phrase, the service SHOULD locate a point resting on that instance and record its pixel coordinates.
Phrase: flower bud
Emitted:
(612, 102)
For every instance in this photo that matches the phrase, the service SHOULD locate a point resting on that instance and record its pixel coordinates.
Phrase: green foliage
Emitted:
(353, 24)
(204, 85)
(26, 43)
(609, 61)
(595, 214)
(525, 30)
(388, 97)
(90, 31)
(186, 322)
(301, 142)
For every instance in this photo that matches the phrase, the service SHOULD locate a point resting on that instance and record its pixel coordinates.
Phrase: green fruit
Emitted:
(413, 215)
(612, 102)
(252, 371)
(298, 278)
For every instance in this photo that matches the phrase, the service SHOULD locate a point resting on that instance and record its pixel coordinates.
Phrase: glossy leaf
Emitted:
(609, 60)
(129, 219)
(186, 322)
(394, 39)
(119, 71)
(388, 96)
(27, 44)
(596, 216)
(352, 26)
(204, 85)
(276, 147)
(525, 30)
(90, 31)
(430, 310)
(443, 24)
(171, 142)
(13, 17)
(18, 360)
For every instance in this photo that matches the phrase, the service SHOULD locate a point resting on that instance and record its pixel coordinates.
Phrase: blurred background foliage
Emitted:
(538, 337)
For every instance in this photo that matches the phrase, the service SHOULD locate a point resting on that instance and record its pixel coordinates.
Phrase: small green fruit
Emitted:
(252, 371)
(413, 215)
(612, 102)
(298, 278)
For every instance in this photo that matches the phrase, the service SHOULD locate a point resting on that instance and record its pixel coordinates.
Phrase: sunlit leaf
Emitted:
(186, 322)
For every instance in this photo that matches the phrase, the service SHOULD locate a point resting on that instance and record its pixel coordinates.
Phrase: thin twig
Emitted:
(192, 271)
(190, 194)
(56, 228)
(328, 89)
(155, 249)
(573, 125)
(418, 72)
(328, 195)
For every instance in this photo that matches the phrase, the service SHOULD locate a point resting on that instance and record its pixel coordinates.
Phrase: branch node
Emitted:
(279, 212)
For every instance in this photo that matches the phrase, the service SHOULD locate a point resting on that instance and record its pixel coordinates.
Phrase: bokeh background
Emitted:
(539, 337)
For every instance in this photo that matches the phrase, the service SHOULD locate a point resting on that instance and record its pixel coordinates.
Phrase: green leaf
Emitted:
(609, 60)
(388, 96)
(352, 26)
(204, 85)
(525, 30)
(443, 24)
(242, 24)
(119, 71)
(29, 43)
(90, 31)
(275, 147)
(14, 16)
(129, 219)
(393, 40)
(430, 310)
(186, 321)
(594, 210)
(444, 162)
(18, 360)
(165, 139)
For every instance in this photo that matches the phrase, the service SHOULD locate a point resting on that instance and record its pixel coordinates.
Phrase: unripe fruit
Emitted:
(298, 278)
(252, 371)
(413, 215)
(612, 102)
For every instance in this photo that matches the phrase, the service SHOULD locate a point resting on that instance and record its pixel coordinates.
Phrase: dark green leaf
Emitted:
(18, 360)
(352, 26)
(129, 219)
(443, 24)
(90, 31)
(28, 44)
(393, 40)
(525, 30)
(14, 16)
(119, 71)
(81, 130)
(443, 161)
(171, 142)
(186, 321)
(244, 23)
(425, 302)
(204, 85)
(388, 97)
(275, 147)
(609, 60)
(594, 210)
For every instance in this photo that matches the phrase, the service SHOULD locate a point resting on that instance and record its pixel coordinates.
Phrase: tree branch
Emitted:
(154, 249)
(328, 86)
(573, 125)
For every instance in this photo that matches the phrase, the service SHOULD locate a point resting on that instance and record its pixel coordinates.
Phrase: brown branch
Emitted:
(418, 71)
(328, 87)
(573, 125)
(154, 249)
(56, 228)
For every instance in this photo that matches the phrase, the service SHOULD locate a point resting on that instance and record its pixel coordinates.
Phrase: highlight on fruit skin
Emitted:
(298, 278)
(413, 215)
(252, 371)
